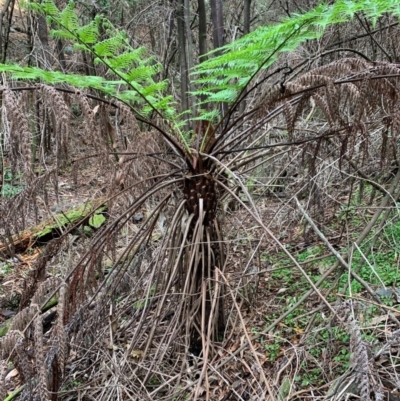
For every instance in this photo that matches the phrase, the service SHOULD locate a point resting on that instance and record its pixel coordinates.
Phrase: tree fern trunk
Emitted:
(206, 254)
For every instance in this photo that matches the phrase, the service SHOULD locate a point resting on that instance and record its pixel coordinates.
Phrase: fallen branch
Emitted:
(53, 227)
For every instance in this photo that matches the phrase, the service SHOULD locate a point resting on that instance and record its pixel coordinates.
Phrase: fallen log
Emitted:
(90, 212)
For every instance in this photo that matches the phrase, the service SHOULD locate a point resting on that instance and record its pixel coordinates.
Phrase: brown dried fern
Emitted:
(39, 359)
(23, 318)
(8, 343)
(23, 362)
(128, 119)
(54, 101)
(3, 372)
(20, 135)
(60, 327)
(44, 290)
(38, 272)
(363, 365)
(92, 134)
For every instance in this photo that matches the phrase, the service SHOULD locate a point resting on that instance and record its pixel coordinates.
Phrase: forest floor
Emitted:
(304, 353)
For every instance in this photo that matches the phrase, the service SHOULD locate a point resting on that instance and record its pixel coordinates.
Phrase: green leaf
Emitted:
(97, 220)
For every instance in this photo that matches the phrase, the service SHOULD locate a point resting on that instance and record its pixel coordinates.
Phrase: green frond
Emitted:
(89, 33)
(212, 116)
(46, 7)
(260, 48)
(224, 96)
(153, 88)
(125, 61)
(109, 47)
(68, 19)
(61, 34)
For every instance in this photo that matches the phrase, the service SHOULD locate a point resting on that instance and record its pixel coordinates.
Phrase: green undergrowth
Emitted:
(11, 186)
(325, 344)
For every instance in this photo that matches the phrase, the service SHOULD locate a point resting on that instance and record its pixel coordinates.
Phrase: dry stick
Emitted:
(340, 259)
(247, 335)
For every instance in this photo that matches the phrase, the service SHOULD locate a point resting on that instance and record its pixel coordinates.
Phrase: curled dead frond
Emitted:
(20, 136)
(44, 290)
(23, 318)
(60, 336)
(91, 129)
(3, 372)
(8, 342)
(39, 359)
(23, 361)
(128, 119)
(54, 101)
(362, 363)
(38, 272)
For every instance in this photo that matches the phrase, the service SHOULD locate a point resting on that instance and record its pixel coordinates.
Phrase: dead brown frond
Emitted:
(60, 334)
(39, 359)
(45, 288)
(55, 102)
(92, 133)
(127, 121)
(8, 343)
(37, 273)
(3, 372)
(24, 365)
(19, 133)
(24, 318)
(361, 361)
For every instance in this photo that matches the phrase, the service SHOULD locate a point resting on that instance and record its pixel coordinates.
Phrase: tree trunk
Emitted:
(218, 23)
(182, 55)
(45, 60)
(218, 39)
(202, 30)
(189, 53)
(5, 24)
(202, 36)
(246, 30)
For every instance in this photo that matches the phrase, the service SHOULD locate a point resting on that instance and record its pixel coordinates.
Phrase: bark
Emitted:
(189, 54)
(182, 54)
(218, 23)
(218, 38)
(246, 17)
(246, 30)
(42, 31)
(61, 55)
(169, 46)
(202, 30)
(5, 24)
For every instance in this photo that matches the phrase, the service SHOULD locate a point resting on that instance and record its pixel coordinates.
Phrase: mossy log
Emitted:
(53, 227)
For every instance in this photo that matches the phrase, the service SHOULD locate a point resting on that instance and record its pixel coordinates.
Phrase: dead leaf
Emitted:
(12, 374)
(137, 353)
